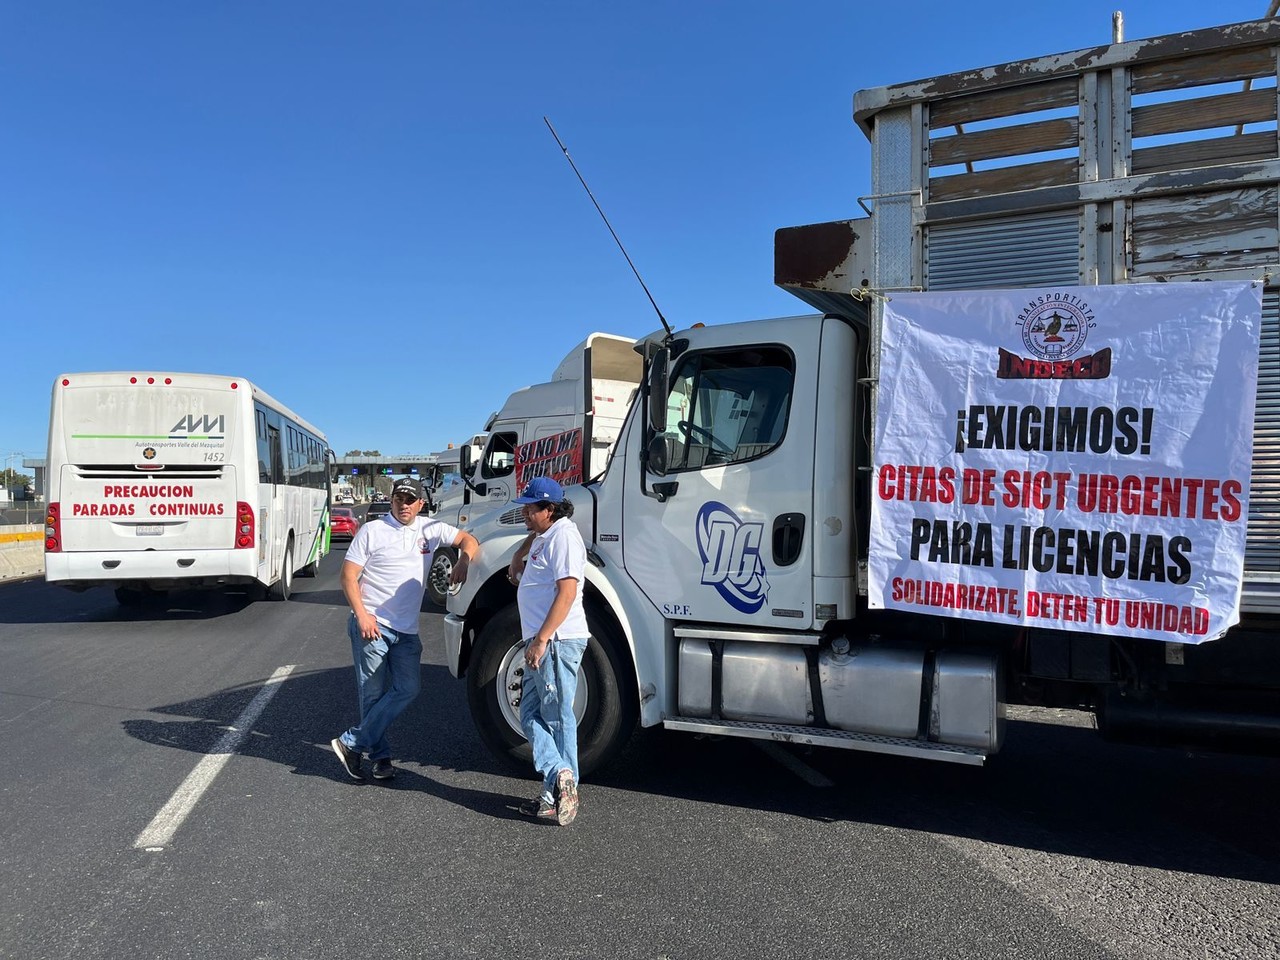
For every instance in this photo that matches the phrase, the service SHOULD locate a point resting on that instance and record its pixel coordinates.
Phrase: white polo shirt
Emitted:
(553, 555)
(396, 559)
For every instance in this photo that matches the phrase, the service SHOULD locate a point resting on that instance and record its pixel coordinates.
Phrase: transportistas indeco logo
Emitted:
(1054, 329)
(731, 561)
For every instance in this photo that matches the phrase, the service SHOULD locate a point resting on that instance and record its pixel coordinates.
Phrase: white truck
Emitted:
(566, 426)
(1092, 526)
(590, 390)
(446, 481)
(451, 501)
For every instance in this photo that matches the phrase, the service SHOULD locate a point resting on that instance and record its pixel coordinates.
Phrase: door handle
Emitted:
(788, 538)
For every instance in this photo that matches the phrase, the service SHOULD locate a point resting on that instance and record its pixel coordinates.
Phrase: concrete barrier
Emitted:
(21, 552)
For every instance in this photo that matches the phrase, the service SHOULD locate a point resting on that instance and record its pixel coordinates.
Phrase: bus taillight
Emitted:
(244, 526)
(52, 529)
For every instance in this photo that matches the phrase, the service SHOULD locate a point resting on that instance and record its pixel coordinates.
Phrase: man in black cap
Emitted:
(384, 577)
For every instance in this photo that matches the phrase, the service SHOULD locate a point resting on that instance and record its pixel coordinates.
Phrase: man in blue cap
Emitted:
(554, 627)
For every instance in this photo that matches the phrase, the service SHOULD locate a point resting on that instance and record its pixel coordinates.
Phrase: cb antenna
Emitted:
(665, 326)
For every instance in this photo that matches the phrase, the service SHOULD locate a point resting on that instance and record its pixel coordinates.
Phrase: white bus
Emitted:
(160, 481)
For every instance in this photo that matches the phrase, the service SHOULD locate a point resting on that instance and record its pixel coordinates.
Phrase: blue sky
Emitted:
(351, 204)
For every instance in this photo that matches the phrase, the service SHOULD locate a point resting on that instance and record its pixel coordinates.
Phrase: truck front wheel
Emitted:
(605, 703)
(438, 576)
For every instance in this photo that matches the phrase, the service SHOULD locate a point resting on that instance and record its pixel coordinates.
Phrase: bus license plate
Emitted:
(150, 529)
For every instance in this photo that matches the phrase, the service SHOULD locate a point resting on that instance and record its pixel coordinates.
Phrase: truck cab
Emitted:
(729, 538)
(590, 389)
(581, 407)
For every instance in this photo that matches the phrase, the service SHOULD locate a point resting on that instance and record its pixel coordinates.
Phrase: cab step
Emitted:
(843, 739)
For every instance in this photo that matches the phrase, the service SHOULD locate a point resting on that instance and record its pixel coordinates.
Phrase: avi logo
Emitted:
(731, 561)
(199, 426)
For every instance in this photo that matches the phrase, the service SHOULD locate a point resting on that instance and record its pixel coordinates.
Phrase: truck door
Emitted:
(497, 469)
(731, 540)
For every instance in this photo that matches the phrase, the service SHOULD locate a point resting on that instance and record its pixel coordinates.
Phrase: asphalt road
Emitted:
(1064, 847)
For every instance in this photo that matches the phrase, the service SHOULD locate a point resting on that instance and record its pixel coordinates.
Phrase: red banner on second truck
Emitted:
(558, 456)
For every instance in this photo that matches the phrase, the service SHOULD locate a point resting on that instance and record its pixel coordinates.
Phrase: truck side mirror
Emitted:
(464, 471)
(658, 392)
(658, 456)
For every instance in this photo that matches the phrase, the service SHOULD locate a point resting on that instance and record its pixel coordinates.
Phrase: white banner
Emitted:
(1071, 458)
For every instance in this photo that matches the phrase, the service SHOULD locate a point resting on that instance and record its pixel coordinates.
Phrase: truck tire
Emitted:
(606, 703)
(439, 574)
(282, 589)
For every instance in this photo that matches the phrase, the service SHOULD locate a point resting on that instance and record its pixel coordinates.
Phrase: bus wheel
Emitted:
(312, 569)
(439, 574)
(282, 589)
(605, 703)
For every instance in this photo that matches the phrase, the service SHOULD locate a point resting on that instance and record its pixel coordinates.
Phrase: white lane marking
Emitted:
(171, 816)
(796, 766)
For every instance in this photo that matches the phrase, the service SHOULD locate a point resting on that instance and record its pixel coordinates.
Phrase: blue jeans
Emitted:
(546, 710)
(388, 677)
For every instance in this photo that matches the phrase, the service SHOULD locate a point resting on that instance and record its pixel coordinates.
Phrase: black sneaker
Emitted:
(539, 809)
(383, 770)
(350, 759)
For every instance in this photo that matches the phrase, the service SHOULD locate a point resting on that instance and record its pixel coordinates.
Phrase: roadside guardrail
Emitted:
(21, 551)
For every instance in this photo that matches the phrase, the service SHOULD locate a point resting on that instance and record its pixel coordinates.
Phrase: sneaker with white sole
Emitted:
(350, 759)
(566, 797)
(383, 770)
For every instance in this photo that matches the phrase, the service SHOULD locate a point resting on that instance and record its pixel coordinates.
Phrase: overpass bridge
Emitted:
(363, 475)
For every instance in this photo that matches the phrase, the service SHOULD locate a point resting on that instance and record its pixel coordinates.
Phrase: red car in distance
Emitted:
(342, 523)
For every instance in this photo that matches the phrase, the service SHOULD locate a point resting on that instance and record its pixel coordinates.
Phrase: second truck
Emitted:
(582, 407)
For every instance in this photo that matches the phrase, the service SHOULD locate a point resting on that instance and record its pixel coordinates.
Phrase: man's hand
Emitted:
(534, 651)
(516, 568)
(368, 624)
(460, 569)
(468, 547)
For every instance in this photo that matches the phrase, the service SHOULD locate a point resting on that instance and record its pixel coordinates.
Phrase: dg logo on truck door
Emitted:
(731, 561)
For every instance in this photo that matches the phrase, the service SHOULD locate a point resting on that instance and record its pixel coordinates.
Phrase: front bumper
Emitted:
(167, 568)
(453, 631)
